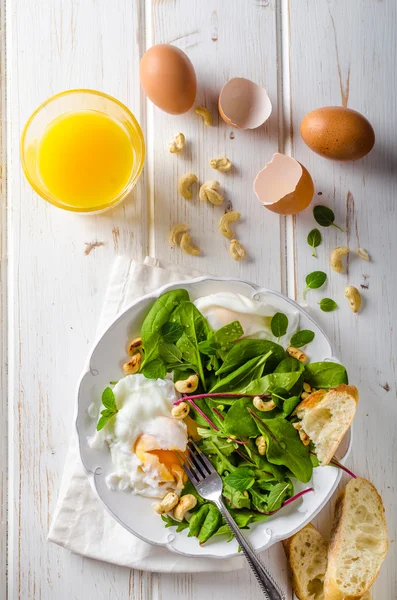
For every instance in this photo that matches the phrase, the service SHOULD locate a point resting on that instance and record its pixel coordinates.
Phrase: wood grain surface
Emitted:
(307, 54)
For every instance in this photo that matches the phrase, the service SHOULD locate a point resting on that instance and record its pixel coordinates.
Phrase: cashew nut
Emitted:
(263, 406)
(296, 353)
(178, 144)
(236, 250)
(132, 366)
(169, 502)
(261, 444)
(186, 386)
(185, 183)
(354, 297)
(208, 192)
(336, 258)
(187, 246)
(176, 231)
(302, 434)
(307, 387)
(205, 113)
(362, 253)
(135, 346)
(304, 395)
(221, 164)
(226, 220)
(180, 411)
(185, 504)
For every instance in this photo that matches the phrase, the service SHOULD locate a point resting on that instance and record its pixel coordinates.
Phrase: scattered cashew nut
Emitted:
(362, 253)
(336, 258)
(205, 113)
(187, 246)
(180, 411)
(186, 386)
(354, 297)
(236, 250)
(177, 231)
(177, 145)
(304, 395)
(185, 504)
(132, 366)
(185, 183)
(307, 387)
(296, 353)
(226, 220)
(261, 445)
(263, 406)
(169, 502)
(208, 192)
(221, 164)
(135, 346)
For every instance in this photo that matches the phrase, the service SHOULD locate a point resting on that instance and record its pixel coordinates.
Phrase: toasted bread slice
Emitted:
(307, 555)
(359, 542)
(326, 416)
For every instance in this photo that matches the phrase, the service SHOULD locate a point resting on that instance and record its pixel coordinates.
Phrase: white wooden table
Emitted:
(308, 53)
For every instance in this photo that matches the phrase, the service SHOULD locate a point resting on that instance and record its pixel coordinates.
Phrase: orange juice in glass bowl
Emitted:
(82, 150)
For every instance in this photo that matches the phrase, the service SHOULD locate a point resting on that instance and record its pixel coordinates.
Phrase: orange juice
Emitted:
(85, 159)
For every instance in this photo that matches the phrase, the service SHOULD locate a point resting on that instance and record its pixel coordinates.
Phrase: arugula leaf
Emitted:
(236, 497)
(314, 239)
(278, 494)
(171, 332)
(170, 522)
(245, 350)
(238, 379)
(109, 402)
(241, 479)
(325, 374)
(301, 338)
(170, 353)
(284, 446)
(314, 281)
(279, 325)
(328, 305)
(325, 216)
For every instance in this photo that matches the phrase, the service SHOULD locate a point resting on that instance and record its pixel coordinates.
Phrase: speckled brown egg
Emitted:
(338, 133)
(168, 78)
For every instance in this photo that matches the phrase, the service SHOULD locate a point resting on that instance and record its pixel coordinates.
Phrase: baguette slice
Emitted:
(359, 542)
(326, 416)
(306, 552)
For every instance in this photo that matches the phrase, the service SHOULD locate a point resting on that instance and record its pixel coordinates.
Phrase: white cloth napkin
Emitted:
(80, 523)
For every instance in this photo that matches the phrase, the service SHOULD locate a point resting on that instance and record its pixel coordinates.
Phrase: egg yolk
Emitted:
(165, 463)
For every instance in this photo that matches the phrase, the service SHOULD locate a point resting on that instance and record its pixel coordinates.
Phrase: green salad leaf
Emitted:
(238, 379)
(325, 374)
(241, 479)
(245, 350)
(171, 332)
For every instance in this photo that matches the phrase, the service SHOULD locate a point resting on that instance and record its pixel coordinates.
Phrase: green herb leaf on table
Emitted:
(301, 338)
(325, 374)
(171, 332)
(109, 402)
(314, 281)
(314, 239)
(241, 479)
(325, 216)
(279, 325)
(328, 305)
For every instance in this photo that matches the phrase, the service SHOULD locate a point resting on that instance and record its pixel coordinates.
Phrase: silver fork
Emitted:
(209, 485)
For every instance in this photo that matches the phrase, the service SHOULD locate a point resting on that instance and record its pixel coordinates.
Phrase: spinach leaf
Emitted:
(284, 446)
(325, 374)
(236, 380)
(155, 369)
(314, 239)
(109, 402)
(278, 494)
(290, 365)
(265, 469)
(279, 325)
(241, 479)
(290, 404)
(204, 522)
(245, 350)
(301, 338)
(328, 305)
(197, 519)
(170, 353)
(171, 332)
(159, 314)
(170, 522)
(236, 497)
(325, 216)
(314, 281)
(238, 421)
(290, 381)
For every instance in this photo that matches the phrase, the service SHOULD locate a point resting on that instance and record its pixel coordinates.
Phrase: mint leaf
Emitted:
(314, 281)
(314, 239)
(241, 479)
(301, 338)
(108, 399)
(328, 305)
(325, 216)
(171, 332)
(279, 325)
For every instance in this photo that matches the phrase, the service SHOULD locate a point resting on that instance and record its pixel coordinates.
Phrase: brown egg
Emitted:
(338, 133)
(168, 78)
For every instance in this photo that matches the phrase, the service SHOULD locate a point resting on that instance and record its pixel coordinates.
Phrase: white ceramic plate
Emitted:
(135, 513)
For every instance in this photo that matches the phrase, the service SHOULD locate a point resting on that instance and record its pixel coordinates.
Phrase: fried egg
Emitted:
(143, 438)
(254, 315)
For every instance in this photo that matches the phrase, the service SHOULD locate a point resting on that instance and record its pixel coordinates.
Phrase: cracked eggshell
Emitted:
(244, 104)
(284, 186)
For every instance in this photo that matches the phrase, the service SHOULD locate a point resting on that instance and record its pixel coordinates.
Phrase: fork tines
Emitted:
(200, 466)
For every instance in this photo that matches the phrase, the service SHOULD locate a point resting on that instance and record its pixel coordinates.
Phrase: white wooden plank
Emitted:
(57, 285)
(341, 53)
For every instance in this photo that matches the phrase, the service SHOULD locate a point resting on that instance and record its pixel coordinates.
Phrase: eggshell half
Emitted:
(284, 186)
(244, 104)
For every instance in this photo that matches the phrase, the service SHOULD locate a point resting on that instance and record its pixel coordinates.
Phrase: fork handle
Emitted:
(269, 587)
